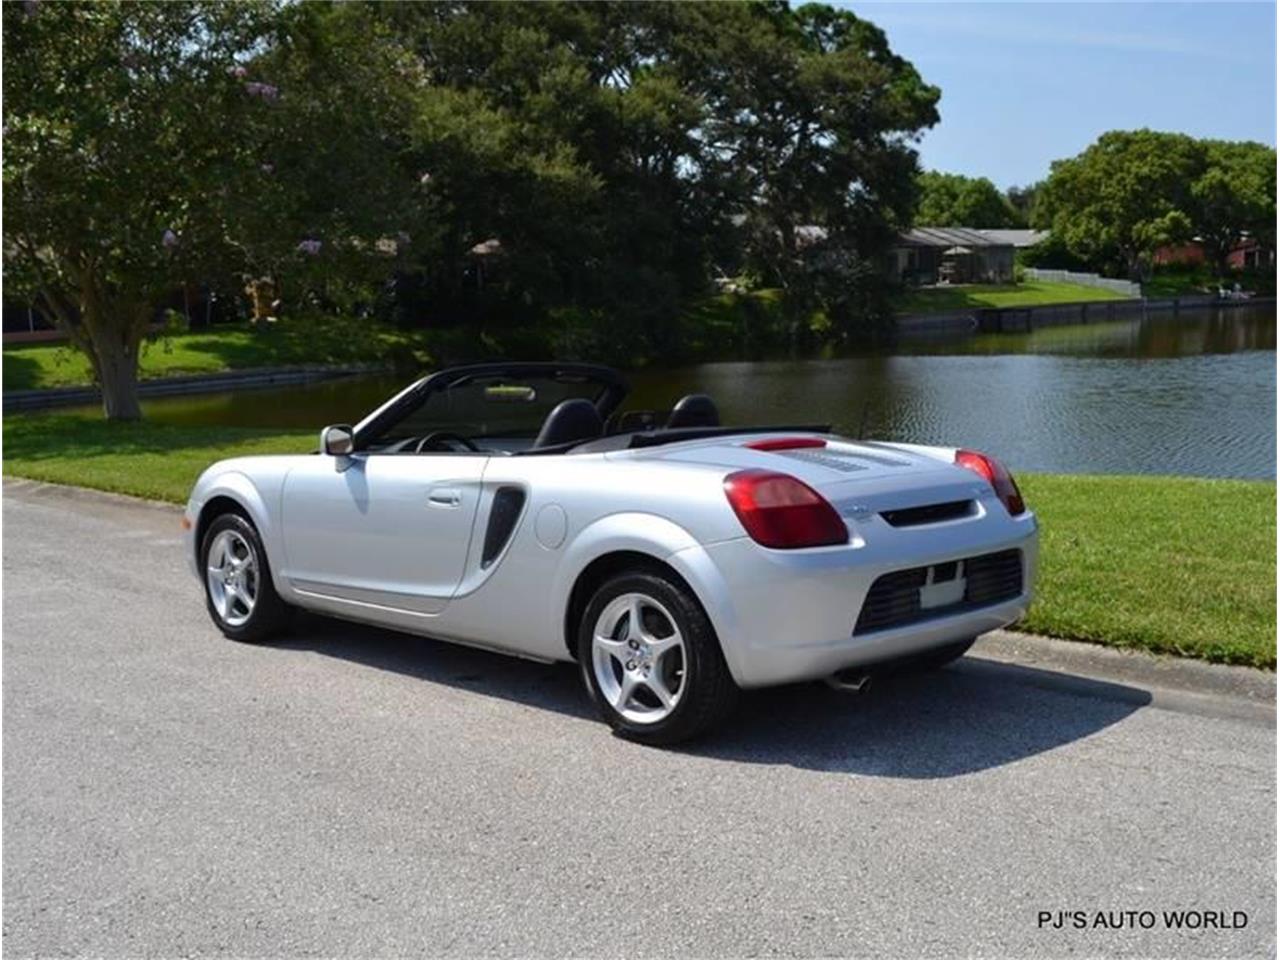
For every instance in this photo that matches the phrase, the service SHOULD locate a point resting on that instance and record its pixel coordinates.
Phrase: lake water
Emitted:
(1191, 394)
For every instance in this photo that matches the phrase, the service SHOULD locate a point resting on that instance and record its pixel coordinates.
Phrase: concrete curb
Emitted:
(1174, 682)
(40, 490)
(1155, 670)
(1167, 682)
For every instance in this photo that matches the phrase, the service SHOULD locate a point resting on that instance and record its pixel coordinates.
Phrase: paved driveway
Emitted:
(168, 792)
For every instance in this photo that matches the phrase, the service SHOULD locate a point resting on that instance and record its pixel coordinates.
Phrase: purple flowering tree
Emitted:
(121, 123)
(151, 144)
(329, 182)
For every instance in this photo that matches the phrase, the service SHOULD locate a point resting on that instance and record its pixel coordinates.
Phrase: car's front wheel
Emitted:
(651, 661)
(239, 593)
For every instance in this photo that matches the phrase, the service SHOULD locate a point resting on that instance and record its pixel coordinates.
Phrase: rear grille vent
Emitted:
(894, 599)
(933, 513)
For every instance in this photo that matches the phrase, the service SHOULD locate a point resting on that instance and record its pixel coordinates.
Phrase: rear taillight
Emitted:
(780, 511)
(993, 471)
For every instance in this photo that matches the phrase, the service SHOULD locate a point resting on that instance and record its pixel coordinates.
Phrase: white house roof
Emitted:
(1017, 238)
(946, 237)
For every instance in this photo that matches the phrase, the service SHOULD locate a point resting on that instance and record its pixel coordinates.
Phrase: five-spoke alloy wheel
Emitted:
(232, 577)
(651, 660)
(237, 584)
(638, 657)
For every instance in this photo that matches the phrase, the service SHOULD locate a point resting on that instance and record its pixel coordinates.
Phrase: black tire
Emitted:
(941, 656)
(269, 614)
(708, 694)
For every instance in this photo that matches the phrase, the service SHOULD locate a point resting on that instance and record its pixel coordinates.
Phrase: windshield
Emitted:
(489, 405)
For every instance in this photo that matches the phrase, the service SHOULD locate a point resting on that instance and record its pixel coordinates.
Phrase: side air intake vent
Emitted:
(507, 504)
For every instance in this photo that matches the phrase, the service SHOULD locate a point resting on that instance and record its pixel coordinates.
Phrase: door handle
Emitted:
(444, 497)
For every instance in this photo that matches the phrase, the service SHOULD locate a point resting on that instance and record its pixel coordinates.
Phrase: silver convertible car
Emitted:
(520, 507)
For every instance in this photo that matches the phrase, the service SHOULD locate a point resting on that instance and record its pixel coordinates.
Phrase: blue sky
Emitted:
(1025, 83)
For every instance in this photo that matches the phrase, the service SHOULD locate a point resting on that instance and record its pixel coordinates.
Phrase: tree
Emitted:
(953, 200)
(579, 152)
(120, 120)
(148, 144)
(1023, 200)
(812, 122)
(328, 199)
(611, 148)
(1123, 197)
(1233, 197)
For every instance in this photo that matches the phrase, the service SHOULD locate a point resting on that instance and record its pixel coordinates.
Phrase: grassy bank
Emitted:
(1172, 565)
(1028, 293)
(288, 343)
(156, 461)
(1167, 564)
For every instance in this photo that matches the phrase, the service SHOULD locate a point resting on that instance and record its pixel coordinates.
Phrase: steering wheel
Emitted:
(430, 441)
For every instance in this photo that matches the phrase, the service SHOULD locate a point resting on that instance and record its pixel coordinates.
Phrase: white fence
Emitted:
(1125, 287)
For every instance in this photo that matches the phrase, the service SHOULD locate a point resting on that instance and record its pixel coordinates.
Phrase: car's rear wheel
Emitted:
(239, 593)
(651, 661)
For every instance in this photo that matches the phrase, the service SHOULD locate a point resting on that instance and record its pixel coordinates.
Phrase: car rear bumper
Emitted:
(786, 616)
(765, 665)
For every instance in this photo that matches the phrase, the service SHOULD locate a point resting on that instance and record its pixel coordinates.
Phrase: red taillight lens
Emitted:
(779, 511)
(993, 471)
(786, 443)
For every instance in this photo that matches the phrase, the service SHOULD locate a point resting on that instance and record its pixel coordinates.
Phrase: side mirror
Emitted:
(338, 441)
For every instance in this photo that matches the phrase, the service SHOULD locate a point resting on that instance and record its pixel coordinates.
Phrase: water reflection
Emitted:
(1159, 335)
(1186, 394)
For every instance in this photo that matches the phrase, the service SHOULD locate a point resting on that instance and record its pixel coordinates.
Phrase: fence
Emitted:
(1124, 287)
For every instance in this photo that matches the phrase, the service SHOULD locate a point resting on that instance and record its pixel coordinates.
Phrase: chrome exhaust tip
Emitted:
(849, 681)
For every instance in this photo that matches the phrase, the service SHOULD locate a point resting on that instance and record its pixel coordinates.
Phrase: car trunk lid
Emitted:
(855, 476)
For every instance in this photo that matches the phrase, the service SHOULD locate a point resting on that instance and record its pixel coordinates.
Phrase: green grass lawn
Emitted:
(1028, 293)
(1168, 564)
(287, 343)
(157, 461)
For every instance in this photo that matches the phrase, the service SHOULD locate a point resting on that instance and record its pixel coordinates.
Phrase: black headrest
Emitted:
(695, 410)
(571, 420)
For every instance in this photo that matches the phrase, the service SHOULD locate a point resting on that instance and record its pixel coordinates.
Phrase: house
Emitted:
(928, 255)
(1247, 253)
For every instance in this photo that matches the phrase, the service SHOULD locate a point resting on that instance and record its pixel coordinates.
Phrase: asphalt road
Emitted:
(351, 792)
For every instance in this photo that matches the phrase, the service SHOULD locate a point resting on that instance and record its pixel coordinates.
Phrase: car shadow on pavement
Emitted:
(973, 715)
(970, 716)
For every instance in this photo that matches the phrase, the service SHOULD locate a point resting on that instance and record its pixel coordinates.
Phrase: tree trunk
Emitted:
(116, 362)
(1222, 259)
(108, 330)
(1137, 266)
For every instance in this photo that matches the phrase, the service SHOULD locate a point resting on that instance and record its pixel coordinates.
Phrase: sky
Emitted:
(1025, 83)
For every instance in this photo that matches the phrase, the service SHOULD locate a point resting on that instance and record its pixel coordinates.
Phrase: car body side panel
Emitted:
(575, 512)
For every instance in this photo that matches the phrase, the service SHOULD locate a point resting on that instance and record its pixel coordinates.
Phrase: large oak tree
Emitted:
(151, 144)
(120, 124)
